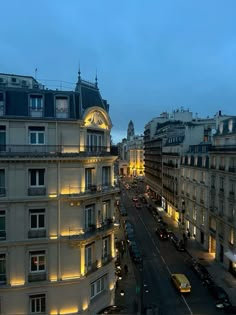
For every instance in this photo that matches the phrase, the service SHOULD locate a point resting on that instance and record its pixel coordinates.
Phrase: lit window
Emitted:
(231, 236)
(37, 261)
(62, 106)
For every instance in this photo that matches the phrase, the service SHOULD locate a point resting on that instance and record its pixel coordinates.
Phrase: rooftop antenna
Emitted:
(96, 79)
(35, 73)
(79, 74)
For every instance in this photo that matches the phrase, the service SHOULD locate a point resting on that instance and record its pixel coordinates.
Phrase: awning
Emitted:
(231, 256)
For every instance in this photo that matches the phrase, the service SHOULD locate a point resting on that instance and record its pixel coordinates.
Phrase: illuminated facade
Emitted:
(57, 199)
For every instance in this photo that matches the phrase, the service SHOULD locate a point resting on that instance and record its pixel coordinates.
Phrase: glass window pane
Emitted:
(41, 138)
(41, 177)
(41, 263)
(33, 263)
(33, 221)
(33, 177)
(41, 220)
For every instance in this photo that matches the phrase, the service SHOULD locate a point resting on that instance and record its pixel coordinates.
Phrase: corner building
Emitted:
(57, 199)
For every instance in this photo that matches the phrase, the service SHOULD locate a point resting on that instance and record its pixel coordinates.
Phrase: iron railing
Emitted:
(54, 150)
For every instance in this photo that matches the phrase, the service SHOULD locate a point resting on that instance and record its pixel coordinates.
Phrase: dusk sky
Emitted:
(150, 56)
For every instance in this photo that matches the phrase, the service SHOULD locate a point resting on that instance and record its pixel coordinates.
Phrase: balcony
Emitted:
(106, 259)
(54, 151)
(3, 279)
(2, 191)
(82, 191)
(2, 235)
(90, 267)
(213, 167)
(37, 233)
(36, 191)
(221, 167)
(38, 276)
(91, 231)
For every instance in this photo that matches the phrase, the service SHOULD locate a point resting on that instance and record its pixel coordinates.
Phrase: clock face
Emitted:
(96, 119)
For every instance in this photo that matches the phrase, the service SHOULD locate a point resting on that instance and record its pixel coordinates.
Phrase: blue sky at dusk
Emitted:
(150, 56)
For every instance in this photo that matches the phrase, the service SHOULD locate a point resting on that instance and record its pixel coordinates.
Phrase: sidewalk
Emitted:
(128, 281)
(219, 274)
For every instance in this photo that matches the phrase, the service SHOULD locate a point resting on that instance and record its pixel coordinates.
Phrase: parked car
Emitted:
(221, 297)
(113, 309)
(179, 244)
(128, 225)
(200, 270)
(135, 253)
(130, 235)
(162, 233)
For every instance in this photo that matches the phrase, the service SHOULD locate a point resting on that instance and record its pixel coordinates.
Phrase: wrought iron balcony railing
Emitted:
(81, 191)
(54, 150)
(91, 231)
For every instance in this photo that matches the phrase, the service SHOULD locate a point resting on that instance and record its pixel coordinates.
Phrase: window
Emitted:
(36, 135)
(203, 177)
(98, 286)
(1, 103)
(62, 106)
(89, 216)
(37, 219)
(213, 179)
(105, 210)
(2, 268)
(89, 259)
(106, 174)
(203, 161)
(105, 247)
(89, 175)
(95, 141)
(36, 177)
(37, 304)
(37, 261)
(2, 225)
(36, 102)
(2, 138)
(231, 236)
(194, 213)
(222, 183)
(2, 183)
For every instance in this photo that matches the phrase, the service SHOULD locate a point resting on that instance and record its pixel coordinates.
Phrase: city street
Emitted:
(160, 259)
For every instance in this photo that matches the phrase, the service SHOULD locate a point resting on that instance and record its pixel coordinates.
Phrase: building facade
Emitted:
(57, 199)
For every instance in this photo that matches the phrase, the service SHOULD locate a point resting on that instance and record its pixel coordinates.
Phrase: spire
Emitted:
(79, 73)
(96, 79)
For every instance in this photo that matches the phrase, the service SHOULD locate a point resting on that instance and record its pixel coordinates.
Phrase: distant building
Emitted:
(130, 131)
(190, 172)
(131, 154)
(57, 199)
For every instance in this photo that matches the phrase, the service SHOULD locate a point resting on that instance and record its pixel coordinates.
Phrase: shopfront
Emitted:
(231, 257)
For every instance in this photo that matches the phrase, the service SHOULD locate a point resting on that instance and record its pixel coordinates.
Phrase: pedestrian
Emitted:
(188, 234)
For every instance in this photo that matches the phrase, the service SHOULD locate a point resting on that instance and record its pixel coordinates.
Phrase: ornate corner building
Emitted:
(57, 199)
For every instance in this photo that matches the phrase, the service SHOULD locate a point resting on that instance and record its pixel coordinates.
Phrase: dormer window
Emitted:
(221, 127)
(230, 125)
(36, 105)
(1, 104)
(62, 106)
